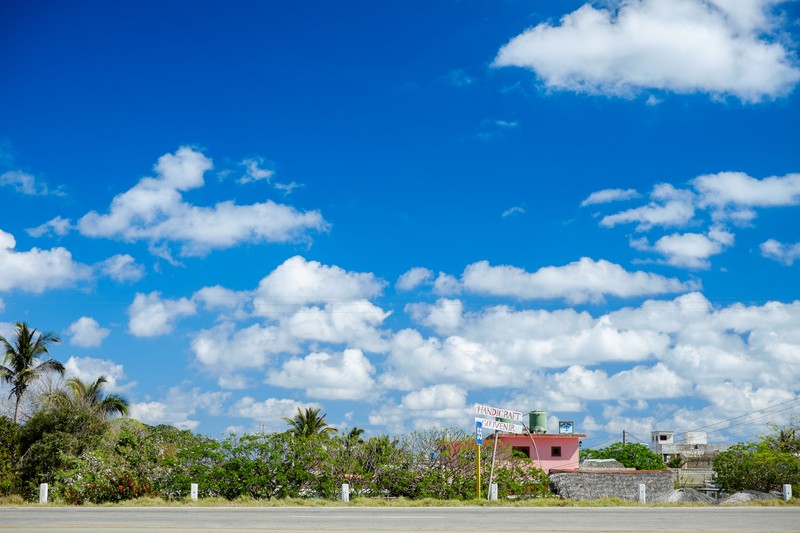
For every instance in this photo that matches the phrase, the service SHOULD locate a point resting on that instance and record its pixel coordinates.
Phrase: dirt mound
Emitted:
(688, 495)
(747, 496)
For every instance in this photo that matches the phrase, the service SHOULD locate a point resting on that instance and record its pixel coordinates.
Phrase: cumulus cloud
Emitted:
(122, 268)
(23, 183)
(38, 270)
(151, 315)
(688, 250)
(669, 207)
(345, 376)
(88, 369)
(610, 195)
(254, 172)
(57, 226)
(639, 382)
(154, 211)
(780, 252)
(682, 46)
(87, 333)
(270, 412)
(179, 407)
(354, 323)
(298, 282)
(226, 351)
(731, 195)
(578, 282)
(442, 405)
(413, 278)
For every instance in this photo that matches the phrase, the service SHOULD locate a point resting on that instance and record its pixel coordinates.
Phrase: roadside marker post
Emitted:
(478, 444)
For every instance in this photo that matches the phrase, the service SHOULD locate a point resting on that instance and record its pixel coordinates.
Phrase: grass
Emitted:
(149, 501)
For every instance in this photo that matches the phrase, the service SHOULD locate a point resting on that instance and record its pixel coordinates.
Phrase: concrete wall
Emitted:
(579, 485)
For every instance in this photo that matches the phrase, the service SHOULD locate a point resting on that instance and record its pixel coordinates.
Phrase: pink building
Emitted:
(548, 451)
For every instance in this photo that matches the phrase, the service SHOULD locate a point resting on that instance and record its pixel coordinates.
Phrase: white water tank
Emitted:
(695, 437)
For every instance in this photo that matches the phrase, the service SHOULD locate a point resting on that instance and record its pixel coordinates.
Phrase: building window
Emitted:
(521, 451)
(663, 437)
(555, 451)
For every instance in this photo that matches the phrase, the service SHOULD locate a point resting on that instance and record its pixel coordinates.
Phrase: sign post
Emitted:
(498, 420)
(478, 444)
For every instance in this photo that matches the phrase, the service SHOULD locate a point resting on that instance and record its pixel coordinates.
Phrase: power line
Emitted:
(737, 417)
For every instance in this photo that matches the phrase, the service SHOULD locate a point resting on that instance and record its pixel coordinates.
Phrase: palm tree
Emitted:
(21, 365)
(90, 393)
(308, 423)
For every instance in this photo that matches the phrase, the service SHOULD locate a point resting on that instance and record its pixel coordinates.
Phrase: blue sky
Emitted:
(393, 210)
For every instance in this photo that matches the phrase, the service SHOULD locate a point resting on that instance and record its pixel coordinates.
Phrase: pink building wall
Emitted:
(547, 445)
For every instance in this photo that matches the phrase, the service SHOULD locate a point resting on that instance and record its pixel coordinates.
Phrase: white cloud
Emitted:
(444, 317)
(688, 250)
(224, 350)
(154, 211)
(442, 405)
(639, 382)
(86, 332)
(780, 252)
(179, 406)
(446, 285)
(672, 213)
(254, 171)
(513, 211)
(23, 183)
(682, 46)
(610, 195)
(582, 281)
(739, 190)
(270, 412)
(345, 376)
(122, 268)
(38, 270)
(354, 323)
(88, 369)
(415, 361)
(413, 278)
(150, 315)
(220, 298)
(298, 282)
(56, 226)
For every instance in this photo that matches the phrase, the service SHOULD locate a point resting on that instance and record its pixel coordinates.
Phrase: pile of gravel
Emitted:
(747, 496)
(688, 495)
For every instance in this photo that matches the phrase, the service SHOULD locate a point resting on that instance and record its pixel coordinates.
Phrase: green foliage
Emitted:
(21, 365)
(765, 465)
(631, 455)
(676, 462)
(9, 436)
(308, 423)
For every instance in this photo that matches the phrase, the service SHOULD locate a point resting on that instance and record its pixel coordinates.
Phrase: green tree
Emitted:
(631, 455)
(764, 465)
(92, 395)
(309, 422)
(21, 365)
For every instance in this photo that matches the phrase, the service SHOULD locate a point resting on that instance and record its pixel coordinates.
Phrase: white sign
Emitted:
(495, 412)
(508, 427)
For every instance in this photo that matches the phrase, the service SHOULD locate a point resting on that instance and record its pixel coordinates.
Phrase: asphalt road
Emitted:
(397, 520)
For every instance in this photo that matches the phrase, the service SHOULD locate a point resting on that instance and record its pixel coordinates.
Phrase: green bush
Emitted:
(632, 455)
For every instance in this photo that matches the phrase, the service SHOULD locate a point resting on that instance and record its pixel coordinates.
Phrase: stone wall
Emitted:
(624, 484)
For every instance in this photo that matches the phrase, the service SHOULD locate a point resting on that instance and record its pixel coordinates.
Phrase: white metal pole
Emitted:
(494, 454)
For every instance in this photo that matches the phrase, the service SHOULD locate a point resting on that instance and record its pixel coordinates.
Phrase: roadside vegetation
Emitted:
(75, 437)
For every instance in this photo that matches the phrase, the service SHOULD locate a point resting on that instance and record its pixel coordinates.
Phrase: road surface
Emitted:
(396, 520)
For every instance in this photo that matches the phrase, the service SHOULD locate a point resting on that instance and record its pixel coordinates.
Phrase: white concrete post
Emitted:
(493, 491)
(345, 492)
(787, 492)
(642, 493)
(43, 493)
(193, 492)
